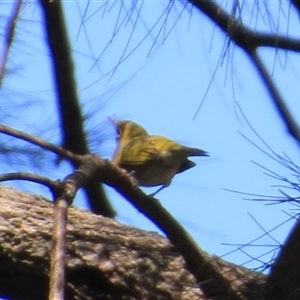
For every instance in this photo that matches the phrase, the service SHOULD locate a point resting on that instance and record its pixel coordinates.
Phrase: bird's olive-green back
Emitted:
(145, 149)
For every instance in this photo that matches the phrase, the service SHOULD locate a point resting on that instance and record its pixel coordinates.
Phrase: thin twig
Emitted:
(61, 152)
(250, 40)
(243, 36)
(54, 186)
(278, 101)
(8, 38)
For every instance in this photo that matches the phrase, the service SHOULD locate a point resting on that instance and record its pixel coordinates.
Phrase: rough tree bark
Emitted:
(105, 260)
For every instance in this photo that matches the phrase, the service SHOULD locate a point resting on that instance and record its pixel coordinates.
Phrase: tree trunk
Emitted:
(104, 259)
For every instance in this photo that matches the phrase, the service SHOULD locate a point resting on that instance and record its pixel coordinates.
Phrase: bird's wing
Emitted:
(148, 149)
(187, 164)
(138, 152)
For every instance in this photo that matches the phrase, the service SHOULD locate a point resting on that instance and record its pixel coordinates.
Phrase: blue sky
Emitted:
(162, 91)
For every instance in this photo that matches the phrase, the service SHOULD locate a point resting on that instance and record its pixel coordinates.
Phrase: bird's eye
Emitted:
(119, 133)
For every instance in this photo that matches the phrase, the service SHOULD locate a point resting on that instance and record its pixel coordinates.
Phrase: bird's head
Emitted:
(128, 130)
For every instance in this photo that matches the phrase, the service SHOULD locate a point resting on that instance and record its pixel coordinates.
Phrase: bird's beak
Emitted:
(113, 121)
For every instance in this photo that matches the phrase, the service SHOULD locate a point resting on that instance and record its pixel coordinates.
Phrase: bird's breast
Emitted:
(156, 173)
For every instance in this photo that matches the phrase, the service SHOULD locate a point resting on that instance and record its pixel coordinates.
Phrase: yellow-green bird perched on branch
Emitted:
(151, 159)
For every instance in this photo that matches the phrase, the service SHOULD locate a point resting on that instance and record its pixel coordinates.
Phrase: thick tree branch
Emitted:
(68, 103)
(283, 282)
(296, 3)
(213, 284)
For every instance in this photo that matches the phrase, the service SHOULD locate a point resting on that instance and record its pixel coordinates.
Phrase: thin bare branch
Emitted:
(249, 41)
(54, 186)
(8, 38)
(61, 152)
(278, 101)
(242, 35)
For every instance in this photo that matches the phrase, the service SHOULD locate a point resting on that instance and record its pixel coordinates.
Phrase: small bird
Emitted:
(151, 159)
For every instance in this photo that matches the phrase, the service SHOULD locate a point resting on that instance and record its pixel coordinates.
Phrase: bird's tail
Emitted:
(196, 152)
